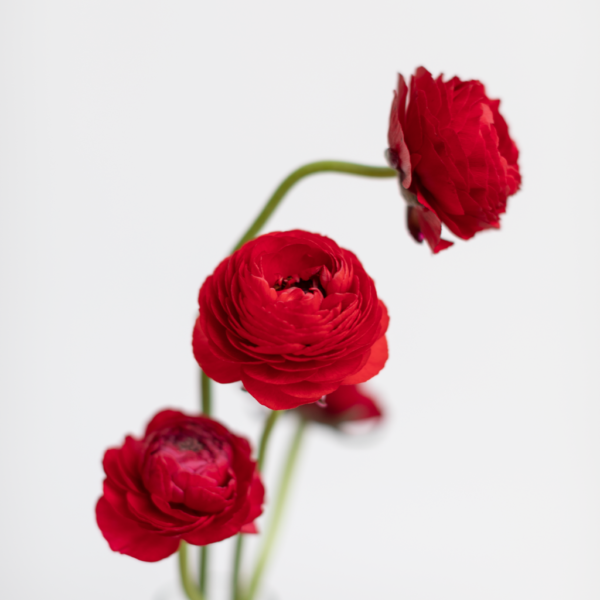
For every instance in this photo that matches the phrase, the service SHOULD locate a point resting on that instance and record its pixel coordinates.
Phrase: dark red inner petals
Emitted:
(306, 285)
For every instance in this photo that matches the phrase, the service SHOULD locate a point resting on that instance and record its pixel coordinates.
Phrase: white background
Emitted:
(139, 139)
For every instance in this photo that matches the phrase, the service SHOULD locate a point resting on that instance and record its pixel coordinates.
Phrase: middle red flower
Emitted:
(293, 316)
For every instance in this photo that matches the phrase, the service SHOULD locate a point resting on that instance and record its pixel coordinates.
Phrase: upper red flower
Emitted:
(189, 478)
(347, 404)
(457, 162)
(293, 316)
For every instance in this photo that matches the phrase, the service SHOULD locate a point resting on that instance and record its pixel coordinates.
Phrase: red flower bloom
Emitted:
(293, 316)
(189, 478)
(347, 403)
(456, 160)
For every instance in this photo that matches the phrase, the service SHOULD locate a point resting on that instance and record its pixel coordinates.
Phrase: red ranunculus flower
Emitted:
(189, 478)
(293, 316)
(348, 403)
(456, 160)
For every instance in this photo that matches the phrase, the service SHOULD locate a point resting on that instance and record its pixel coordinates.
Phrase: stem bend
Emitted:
(323, 166)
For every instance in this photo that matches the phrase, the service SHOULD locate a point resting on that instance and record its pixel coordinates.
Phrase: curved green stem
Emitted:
(323, 166)
(191, 591)
(278, 506)
(331, 166)
(236, 592)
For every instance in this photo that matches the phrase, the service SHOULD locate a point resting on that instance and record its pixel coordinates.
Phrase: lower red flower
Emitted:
(189, 478)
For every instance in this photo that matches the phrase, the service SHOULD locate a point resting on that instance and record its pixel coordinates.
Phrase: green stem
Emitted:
(191, 591)
(205, 386)
(203, 579)
(264, 440)
(278, 506)
(206, 394)
(236, 593)
(331, 166)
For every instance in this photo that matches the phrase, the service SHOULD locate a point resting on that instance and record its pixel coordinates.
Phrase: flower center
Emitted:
(190, 443)
(306, 285)
(193, 449)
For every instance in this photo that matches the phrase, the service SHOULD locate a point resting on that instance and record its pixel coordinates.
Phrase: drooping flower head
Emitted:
(349, 403)
(293, 316)
(456, 160)
(189, 478)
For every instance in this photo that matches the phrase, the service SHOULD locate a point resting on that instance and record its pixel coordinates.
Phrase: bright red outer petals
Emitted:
(189, 478)
(456, 161)
(293, 316)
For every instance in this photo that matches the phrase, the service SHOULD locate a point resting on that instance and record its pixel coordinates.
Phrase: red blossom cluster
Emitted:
(297, 320)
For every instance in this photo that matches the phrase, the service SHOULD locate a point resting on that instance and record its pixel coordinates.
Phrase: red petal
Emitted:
(256, 497)
(249, 528)
(272, 396)
(127, 537)
(376, 362)
(222, 371)
(430, 226)
(164, 418)
(396, 140)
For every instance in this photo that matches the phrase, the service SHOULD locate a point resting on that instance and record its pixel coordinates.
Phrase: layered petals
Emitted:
(456, 161)
(292, 316)
(127, 536)
(188, 478)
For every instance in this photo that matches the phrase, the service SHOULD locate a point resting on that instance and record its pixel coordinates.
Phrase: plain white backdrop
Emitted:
(137, 141)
